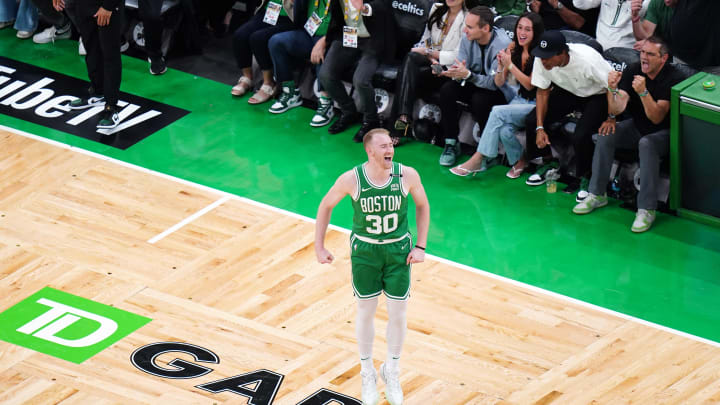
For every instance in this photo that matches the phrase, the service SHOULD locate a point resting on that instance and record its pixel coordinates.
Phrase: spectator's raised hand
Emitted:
(59, 5)
(638, 84)
(635, 7)
(457, 70)
(614, 79)
(504, 59)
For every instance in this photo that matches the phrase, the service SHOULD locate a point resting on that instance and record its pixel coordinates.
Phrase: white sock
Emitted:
(396, 330)
(365, 331)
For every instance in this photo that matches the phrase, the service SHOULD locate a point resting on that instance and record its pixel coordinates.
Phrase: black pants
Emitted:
(560, 103)
(481, 103)
(252, 39)
(414, 78)
(102, 44)
(339, 60)
(149, 11)
(49, 14)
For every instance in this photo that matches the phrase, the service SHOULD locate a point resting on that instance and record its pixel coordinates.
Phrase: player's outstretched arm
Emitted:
(422, 213)
(344, 185)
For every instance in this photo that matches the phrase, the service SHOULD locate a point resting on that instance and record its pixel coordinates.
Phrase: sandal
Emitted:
(514, 173)
(463, 172)
(264, 94)
(243, 85)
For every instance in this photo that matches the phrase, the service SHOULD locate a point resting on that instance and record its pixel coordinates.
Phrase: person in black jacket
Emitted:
(100, 23)
(362, 35)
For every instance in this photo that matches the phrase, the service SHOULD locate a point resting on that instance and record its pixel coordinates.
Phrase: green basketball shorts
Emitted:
(380, 268)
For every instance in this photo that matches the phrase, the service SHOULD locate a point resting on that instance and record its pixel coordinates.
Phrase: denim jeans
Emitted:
(501, 126)
(290, 50)
(25, 14)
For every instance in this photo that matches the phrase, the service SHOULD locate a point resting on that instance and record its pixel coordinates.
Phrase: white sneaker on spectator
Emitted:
(643, 220)
(124, 47)
(369, 388)
(6, 24)
(81, 47)
(324, 113)
(589, 204)
(393, 391)
(24, 34)
(51, 33)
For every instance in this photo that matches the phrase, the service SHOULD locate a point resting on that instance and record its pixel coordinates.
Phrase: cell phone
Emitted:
(438, 68)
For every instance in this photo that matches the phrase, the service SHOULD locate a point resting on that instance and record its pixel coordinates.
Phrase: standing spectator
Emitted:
(60, 28)
(504, 7)
(656, 21)
(614, 26)
(473, 77)
(360, 35)
(149, 11)
(252, 39)
(562, 14)
(289, 51)
(644, 91)
(567, 77)
(515, 64)
(22, 15)
(100, 23)
(439, 45)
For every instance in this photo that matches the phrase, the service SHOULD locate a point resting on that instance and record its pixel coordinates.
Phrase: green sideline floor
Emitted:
(670, 275)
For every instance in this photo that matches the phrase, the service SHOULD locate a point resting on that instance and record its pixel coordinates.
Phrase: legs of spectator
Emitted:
(652, 147)
(149, 11)
(61, 28)
(110, 37)
(337, 60)
(259, 46)
(450, 93)
(288, 50)
(406, 87)
(593, 114)
(243, 53)
(362, 81)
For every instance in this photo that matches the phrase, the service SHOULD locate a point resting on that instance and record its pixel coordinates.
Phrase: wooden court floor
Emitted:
(241, 280)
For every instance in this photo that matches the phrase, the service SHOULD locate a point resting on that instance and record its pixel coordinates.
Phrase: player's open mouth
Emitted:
(388, 158)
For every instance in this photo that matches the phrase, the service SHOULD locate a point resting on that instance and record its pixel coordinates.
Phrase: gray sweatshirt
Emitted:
(482, 61)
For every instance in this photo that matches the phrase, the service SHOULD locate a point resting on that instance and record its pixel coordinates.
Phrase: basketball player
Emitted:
(381, 251)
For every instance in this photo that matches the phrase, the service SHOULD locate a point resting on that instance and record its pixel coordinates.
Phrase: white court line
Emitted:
(188, 220)
(347, 231)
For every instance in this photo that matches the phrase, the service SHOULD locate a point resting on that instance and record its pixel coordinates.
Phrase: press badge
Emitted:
(272, 13)
(350, 37)
(312, 24)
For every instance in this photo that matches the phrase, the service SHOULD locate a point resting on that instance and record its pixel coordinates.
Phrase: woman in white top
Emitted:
(439, 43)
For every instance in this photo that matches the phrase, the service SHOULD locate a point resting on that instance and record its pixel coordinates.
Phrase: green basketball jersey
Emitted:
(380, 210)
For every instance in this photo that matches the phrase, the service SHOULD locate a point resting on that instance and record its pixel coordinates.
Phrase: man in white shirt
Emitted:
(614, 26)
(568, 77)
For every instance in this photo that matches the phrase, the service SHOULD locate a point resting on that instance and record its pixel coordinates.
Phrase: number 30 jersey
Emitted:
(380, 210)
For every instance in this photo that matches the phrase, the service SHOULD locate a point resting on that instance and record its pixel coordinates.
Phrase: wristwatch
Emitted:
(560, 5)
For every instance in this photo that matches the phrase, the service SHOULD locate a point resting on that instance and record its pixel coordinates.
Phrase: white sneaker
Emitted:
(51, 33)
(589, 204)
(81, 48)
(369, 388)
(643, 220)
(24, 34)
(393, 391)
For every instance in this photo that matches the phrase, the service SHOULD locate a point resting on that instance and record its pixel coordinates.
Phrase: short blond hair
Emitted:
(368, 137)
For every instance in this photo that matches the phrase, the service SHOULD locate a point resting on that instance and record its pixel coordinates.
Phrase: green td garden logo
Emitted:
(66, 326)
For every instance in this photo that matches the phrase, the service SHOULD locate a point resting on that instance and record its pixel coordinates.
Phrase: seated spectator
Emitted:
(61, 27)
(515, 64)
(22, 15)
(504, 7)
(291, 49)
(614, 26)
(252, 39)
(656, 22)
(473, 77)
(568, 77)
(562, 14)
(439, 46)
(360, 35)
(644, 90)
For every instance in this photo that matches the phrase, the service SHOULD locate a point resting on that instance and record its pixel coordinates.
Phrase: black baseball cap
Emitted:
(551, 43)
